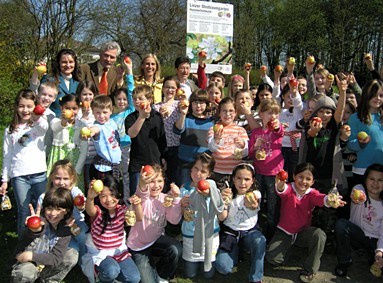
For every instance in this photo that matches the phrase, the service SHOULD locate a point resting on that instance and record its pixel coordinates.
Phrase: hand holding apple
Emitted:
(311, 60)
(248, 67)
(250, 201)
(202, 54)
(291, 61)
(203, 187)
(345, 132)
(97, 186)
(79, 200)
(68, 114)
(293, 83)
(283, 175)
(368, 56)
(41, 68)
(278, 69)
(316, 122)
(85, 133)
(358, 196)
(39, 110)
(34, 222)
(273, 125)
(363, 137)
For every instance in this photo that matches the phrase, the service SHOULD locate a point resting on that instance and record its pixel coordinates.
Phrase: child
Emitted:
(246, 117)
(264, 91)
(108, 256)
(63, 146)
(215, 93)
(106, 140)
(43, 252)
(202, 168)
(146, 130)
(219, 79)
(364, 229)
(24, 160)
(265, 149)
(239, 229)
(124, 102)
(63, 175)
(169, 110)
(298, 199)
(147, 238)
(228, 143)
(192, 125)
(237, 82)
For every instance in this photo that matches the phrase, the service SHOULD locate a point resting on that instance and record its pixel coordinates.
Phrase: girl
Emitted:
(237, 82)
(192, 125)
(124, 101)
(108, 255)
(298, 199)
(151, 76)
(63, 175)
(364, 229)
(368, 118)
(63, 146)
(202, 169)
(264, 91)
(265, 149)
(147, 238)
(43, 252)
(239, 229)
(64, 75)
(169, 110)
(85, 118)
(215, 93)
(24, 157)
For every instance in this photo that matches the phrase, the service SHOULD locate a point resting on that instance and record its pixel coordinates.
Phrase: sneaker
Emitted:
(162, 280)
(306, 276)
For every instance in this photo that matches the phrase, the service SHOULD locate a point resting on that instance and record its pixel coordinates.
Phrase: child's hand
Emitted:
(342, 82)
(369, 64)
(164, 111)
(127, 66)
(201, 58)
(218, 133)
(279, 183)
(379, 259)
(3, 188)
(135, 199)
(227, 193)
(70, 221)
(144, 109)
(24, 257)
(258, 143)
(315, 126)
(174, 190)
(244, 108)
(306, 115)
(92, 194)
(309, 66)
(273, 124)
(341, 203)
(185, 201)
(239, 142)
(345, 132)
(250, 201)
(33, 213)
(351, 79)
(145, 180)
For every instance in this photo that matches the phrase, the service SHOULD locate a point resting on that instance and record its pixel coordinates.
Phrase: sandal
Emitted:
(341, 269)
(306, 276)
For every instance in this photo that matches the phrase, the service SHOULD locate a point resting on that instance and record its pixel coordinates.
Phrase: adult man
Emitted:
(103, 73)
(182, 65)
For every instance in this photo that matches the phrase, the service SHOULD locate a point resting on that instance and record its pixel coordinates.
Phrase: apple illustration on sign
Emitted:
(34, 222)
(149, 170)
(39, 110)
(282, 175)
(98, 186)
(203, 185)
(79, 200)
(41, 69)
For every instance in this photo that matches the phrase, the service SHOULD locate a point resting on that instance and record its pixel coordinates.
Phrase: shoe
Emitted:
(341, 269)
(162, 280)
(306, 276)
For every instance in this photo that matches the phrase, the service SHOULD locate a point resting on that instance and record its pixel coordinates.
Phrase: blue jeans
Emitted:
(27, 189)
(124, 271)
(266, 185)
(253, 241)
(191, 269)
(168, 249)
(78, 242)
(349, 235)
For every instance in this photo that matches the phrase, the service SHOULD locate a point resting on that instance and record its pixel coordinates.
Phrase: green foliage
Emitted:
(8, 90)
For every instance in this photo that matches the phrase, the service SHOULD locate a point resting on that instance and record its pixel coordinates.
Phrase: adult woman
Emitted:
(151, 76)
(64, 74)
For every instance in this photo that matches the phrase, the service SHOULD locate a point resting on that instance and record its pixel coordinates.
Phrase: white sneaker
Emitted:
(162, 280)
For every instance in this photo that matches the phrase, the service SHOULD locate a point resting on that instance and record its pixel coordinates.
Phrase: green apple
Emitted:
(98, 186)
(362, 136)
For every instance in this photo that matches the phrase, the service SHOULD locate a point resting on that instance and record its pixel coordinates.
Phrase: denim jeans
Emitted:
(169, 251)
(124, 271)
(255, 242)
(266, 185)
(348, 235)
(27, 189)
(78, 242)
(191, 269)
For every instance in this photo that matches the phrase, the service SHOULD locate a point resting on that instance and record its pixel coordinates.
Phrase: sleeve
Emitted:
(82, 157)
(56, 125)
(245, 137)
(353, 143)
(129, 121)
(202, 80)
(250, 146)
(297, 104)
(42, 125)
(174, 213)
(277, 93)
(7, 156)
(311, 85)
(266, 79)
(130, 88)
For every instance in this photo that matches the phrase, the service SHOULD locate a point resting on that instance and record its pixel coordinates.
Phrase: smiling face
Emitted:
(67, 64)
(54, 215)
(319, 81)
(303, 181)
(149, 67)
(108, 58)
(108, 200)
(86, 95)
(61, 179)
(267, 116)
(169, 89)
(264, 94)
(200, 171)
(374, 184)
(243, 180)
(198, 108)
(156, 186)
(376, 101)
(214, 93)
(346, 113)
(72, 106)
(325, 114)
(46, 96)
(227, 113)
(183, 72)
(302, 86)
(102, 115)
(25, 109)
(121, 101)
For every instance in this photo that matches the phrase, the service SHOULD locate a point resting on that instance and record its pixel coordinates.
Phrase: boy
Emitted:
(106, 140)
(146, 130)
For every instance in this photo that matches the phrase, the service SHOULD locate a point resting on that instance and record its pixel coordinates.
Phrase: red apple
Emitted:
(362, 136)
(217, 127)
(41, 69)
(203, 185)
(358, 196)
(149, 170)
(278, 68)
(180, 92)
(346, 128)
(282, 175)
(367, 56)
(127, 60)
(98, 186)
(185, 103)
(330, 77)
(202, 54)
(39, 110)
(144, 105)
(247, 66)
(316, 121)
(291, 61)
(68, 114)
(79, 200)
(263, 68)
(217, 100)
(311, 60)
(34, 222)
(272, 124)
(85, 104)
(293, 82)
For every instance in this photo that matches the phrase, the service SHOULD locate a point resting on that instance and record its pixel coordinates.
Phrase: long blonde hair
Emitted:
(157, 74)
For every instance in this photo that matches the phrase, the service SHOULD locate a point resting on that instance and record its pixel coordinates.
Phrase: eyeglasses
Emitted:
(199, 102)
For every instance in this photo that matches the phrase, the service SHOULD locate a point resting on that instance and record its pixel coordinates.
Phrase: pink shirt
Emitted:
(144, 233)
(296, 210)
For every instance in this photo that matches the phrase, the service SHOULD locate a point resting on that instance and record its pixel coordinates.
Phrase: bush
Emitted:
(8, 91)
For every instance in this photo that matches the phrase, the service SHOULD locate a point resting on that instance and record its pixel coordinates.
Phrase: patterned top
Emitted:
(171, 138)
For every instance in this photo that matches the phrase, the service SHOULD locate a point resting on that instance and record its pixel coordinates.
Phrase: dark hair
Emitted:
(69, 98)
(373, 167)
(171, 78)
(86, 84)
(219, 74)
(351, 105)
(59, 198)
(205, 158)
(248, 167)
(181, 60)
(369, 91)
(26, 94)
(56, 64)
(199, 95)
(305, 166)
(262, 87)
(226, 100)
(112, 184)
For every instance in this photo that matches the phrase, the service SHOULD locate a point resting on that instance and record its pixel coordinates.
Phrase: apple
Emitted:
(358, 196)
(79, 200)
(263, 68)
(144, 105)
(85, 104)
(185, 103)
(217, 127)
(217, 100)
(68, 114)
(39, 110)
(127, 60)
(247, 104)
(203, 185)
(311, 60)
(98, 186)
(149, 170)
(293, 82)
(278, 68)
(291, 61)
(282, 175)
(362, 136)
(41, 69)
(34, 222)
(85, 131)
(346, 128)
(330, 77)
(367, 56)
(180, 92)
(316, 121)
(202, 54)
(272, 124)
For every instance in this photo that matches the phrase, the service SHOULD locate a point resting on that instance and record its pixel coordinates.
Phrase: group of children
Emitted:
(235, 145)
